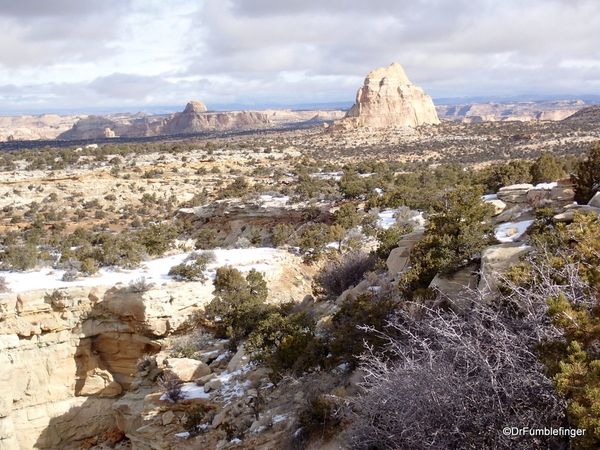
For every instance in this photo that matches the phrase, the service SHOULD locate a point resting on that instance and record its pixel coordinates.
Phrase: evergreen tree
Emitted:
(546, 169)
(587, 178)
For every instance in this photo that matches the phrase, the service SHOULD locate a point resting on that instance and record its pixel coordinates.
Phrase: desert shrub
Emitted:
(238, 188)
(196, 417)
(347, 216)
(239, 302)
(587, 177)
(19, 257)
(319, 417)
(497, 176)
(456, 235)
(4, 285)
(546, 169)
(281, 234)
(206, 239)
(285, 342)
(70, 275)
(349, 337)
(313, 240)
(348, 270)
(242, 242)
(170, 385)
(157, 238)
(388, 240)
(192, 269)
(190, 345)
(140, 285)
(89, 266)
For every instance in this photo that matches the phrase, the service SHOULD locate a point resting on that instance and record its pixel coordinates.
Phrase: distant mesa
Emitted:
(388, 99)
(195, 118)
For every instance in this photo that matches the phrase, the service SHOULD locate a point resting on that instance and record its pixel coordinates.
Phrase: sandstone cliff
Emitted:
(389, 99)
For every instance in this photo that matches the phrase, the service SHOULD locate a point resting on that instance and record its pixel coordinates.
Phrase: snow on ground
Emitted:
(387, 218)
(155, 271)
(490, 197)
(232, 388)
(546, 185)
(511, 231)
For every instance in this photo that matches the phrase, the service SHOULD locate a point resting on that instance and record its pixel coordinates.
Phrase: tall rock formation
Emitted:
(389, 99)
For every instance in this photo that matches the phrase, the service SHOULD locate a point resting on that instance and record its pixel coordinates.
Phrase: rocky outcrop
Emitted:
(239, 218)
(495, 261)
(556, 194)
(399, 258)
(388, 99)
(66, 353)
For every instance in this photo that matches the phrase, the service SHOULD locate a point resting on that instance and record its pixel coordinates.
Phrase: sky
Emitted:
(130, 55)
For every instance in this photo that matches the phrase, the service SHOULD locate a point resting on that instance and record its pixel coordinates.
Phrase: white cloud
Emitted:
(293, 51)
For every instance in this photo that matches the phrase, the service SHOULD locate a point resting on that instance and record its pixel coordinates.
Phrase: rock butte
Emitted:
(388, 99)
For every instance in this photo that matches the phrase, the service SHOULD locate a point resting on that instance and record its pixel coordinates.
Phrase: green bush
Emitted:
(206, 239)
(192, 269)
(587, 178)
(239, 302)
(281, 234)
(157, 238)
(546, 169)
(347, 341)
(456, 235)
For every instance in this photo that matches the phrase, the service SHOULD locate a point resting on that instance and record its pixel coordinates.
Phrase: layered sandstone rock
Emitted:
(510, 111)
(195, 118)
(389, 99)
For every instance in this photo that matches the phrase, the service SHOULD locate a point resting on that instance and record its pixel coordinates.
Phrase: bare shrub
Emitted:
(339, 275)
(455, 381)
(140, 285)
(242, 242)
(170, 385)
(70, 275)
(4, 285)
(144, 363)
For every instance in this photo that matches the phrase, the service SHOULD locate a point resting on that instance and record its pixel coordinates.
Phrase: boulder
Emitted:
(498, 205)
(187, 369)
(510, 215)
(569, 214)
(463, 280)
(399, 258)
(595, 201)
(388, 99)
(515, 193)
(496, 260)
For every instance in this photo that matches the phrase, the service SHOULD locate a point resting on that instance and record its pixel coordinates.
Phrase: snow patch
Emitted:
(511, 231)
(155, 271)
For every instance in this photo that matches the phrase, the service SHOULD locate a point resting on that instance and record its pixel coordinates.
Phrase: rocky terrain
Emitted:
(388, 99)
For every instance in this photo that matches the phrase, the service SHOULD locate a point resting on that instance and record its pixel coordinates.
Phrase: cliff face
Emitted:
(67, 354)
(389, 99)
(195, 122)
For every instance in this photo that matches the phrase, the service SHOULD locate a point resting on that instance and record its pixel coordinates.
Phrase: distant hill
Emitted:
(591, 114)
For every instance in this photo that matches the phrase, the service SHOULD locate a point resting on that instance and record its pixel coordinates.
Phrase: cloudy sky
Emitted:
(132, 54)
